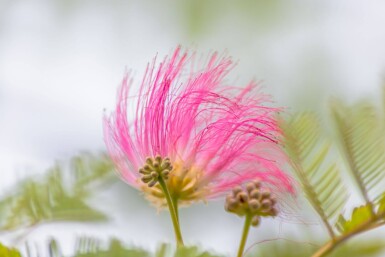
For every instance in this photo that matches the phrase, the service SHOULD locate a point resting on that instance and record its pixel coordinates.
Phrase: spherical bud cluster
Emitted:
(252, 200)
(154, 169)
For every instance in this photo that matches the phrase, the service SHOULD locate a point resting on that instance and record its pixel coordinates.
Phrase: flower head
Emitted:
(211, 136)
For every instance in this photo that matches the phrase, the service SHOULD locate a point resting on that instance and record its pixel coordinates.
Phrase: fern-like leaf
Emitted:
(362, 142)
(310, 155)
(54, 198)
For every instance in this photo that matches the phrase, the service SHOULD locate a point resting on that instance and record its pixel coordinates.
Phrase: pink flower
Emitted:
(216, 135)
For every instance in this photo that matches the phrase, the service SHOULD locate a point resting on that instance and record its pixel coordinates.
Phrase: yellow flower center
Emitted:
(184, 184)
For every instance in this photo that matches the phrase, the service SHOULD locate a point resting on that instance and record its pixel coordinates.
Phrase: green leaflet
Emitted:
(311, 158)
(53, 198)
(360, 216)
(8, 252)
(362, 140)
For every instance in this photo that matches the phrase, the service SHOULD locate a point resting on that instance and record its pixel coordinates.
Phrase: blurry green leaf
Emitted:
(54, 198)
(362, 139)
(360, 248)
(279, 248)
(162, 251)
(285, 248)
(309, 152)
(381, 206)
(8, 252)
(192, 251)
(88, 170)
(54, 250)
(91, 247)
(361, 215)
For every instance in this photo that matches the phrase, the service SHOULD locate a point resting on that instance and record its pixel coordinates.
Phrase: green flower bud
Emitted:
(154, 169)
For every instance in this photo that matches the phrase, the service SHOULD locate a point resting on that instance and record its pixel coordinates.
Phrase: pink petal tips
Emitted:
(214, 135)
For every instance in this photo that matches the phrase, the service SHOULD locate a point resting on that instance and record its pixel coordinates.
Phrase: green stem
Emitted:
(335, 242)
(245, 233)
(173, 212)
(175, 203)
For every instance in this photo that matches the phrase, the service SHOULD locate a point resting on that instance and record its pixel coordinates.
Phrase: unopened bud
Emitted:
(152, 183)
(251, 201)
(231, 205)
(266, 204)
(158, 159)
(242, 197)
(166, 165)
(273, 212)
(229, 197)
(254, 205)
(256, 194)
(152, 170)
(165, 173)
(149, 160)
(146, 178)
(266, 194)
(257, 183)
(237, 190)
(250, 187)
(255, 221)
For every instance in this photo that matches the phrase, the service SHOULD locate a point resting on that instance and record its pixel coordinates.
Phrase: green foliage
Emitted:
(8, 252)
(91, 247)
(361, 136)
(309, 152)
(88, 247)
(381, 206)
(361, 215)
(280, 248)
(191, 251)
(54, 198)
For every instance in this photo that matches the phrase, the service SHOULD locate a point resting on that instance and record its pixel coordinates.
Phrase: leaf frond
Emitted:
(310, 155)
(362, 140)
(61, 195)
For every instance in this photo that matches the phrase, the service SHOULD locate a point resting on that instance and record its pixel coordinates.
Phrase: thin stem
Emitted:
(173, 213)
(175, 203)
(245, 233)
(332, 244)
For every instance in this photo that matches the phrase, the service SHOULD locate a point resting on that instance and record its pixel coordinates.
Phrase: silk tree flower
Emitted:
(210, 135)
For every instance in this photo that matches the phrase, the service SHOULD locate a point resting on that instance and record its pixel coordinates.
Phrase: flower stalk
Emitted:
(173, 212)
(253, 202)
(157, 170)
(245, 233)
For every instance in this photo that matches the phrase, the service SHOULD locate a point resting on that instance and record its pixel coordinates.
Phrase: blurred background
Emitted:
(61, 62)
